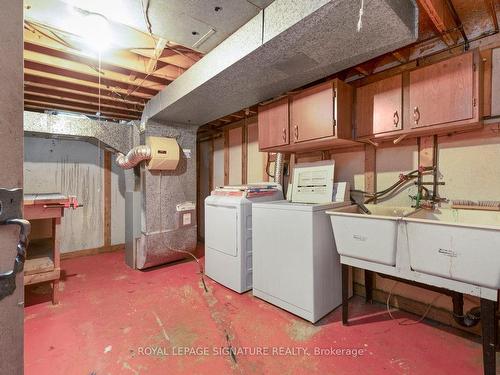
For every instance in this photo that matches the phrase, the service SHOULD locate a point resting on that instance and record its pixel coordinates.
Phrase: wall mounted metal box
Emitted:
(165, 153)
(228, 235)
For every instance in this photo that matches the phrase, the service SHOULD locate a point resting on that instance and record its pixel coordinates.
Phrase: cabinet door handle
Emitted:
(296, 131)
(416, 115)
(396, 119)
(284, 135)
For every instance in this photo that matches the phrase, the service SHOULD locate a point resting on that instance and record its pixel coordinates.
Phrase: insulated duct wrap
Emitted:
(134, 157)
(278, 169)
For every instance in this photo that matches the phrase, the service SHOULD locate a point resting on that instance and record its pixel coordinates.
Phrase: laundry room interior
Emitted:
(250, 187)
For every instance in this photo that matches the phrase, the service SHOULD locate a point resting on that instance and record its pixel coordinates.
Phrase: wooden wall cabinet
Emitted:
(273, 124)
(318, 117)
(438, 98)
(379, 107)
(321, 114)
(444, 93)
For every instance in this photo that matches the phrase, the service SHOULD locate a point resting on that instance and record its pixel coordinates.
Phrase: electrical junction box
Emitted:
(165, 154)
(185, 214)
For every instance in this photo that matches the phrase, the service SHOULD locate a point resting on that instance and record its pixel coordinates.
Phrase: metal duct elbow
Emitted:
(133, 157)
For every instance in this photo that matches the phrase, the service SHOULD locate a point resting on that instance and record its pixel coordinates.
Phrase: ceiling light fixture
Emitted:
(93, 28)
(96, 32)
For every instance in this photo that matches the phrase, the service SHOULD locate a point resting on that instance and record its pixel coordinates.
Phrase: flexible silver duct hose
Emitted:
(278, 168)
(134, 157)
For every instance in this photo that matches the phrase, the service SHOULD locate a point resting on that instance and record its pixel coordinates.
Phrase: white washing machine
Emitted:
(295, 262)
(228, 232)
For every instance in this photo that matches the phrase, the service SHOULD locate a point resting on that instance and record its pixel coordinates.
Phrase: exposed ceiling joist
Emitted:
(114, 59)
(42, 107)
(60, 66)
(77, 105)
(118, 75)
(402, 55)
(491, 6)
(85, 77)
(60, 94)
(440, 15)
(171, 56)
(42, 51)
(50, 83)
(153, 61)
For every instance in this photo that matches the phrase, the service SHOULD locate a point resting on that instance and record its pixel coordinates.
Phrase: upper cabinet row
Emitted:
(437, 98)
(440, 97)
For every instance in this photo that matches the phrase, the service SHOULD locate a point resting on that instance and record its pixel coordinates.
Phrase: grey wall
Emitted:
(74, 167)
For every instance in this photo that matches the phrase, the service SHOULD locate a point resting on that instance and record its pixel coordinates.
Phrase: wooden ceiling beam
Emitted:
(56, 103)
(170, 56)
(361, 70)
(117, 91)
(117, 58)
(369, 67)
(91, 71)
(442, 18)
(94, 63)
(51, 83)
(106, 82)
(40, 107)
(491, 7)
(402, 55)
(59, 94)
(153, 61)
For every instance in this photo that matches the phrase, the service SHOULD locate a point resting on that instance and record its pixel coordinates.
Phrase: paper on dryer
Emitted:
(313, 182)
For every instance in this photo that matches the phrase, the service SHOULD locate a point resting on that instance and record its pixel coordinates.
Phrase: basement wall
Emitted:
(73, 167)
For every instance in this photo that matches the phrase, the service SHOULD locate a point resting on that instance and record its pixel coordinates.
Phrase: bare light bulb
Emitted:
(96, 32)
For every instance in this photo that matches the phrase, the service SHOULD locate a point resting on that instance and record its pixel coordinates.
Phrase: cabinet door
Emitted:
(443, 92)
(379, 106)
(312, 113)
(273, 123)
(387, 105)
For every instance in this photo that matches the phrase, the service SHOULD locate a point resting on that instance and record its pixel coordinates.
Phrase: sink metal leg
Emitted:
(345, 293)
(368, 286)
(489, 330)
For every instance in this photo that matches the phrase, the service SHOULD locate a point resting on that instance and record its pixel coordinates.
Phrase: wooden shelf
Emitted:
(40, 257)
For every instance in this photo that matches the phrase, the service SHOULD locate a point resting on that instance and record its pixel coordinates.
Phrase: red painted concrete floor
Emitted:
(113, 320)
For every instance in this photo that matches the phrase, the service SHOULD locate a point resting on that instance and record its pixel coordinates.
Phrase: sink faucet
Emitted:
(424, 198)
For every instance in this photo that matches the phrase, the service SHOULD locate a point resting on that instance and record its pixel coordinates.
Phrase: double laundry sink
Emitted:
(460, 245)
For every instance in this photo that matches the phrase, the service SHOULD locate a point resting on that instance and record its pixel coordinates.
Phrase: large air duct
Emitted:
(287, 45)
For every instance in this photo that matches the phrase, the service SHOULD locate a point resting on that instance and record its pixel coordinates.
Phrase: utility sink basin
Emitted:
(461, 245)
(371, 237)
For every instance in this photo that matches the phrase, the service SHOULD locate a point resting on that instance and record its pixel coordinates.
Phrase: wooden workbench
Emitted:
(43, 255)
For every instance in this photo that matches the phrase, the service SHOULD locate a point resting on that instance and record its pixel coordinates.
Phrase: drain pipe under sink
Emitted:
(468, 320)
